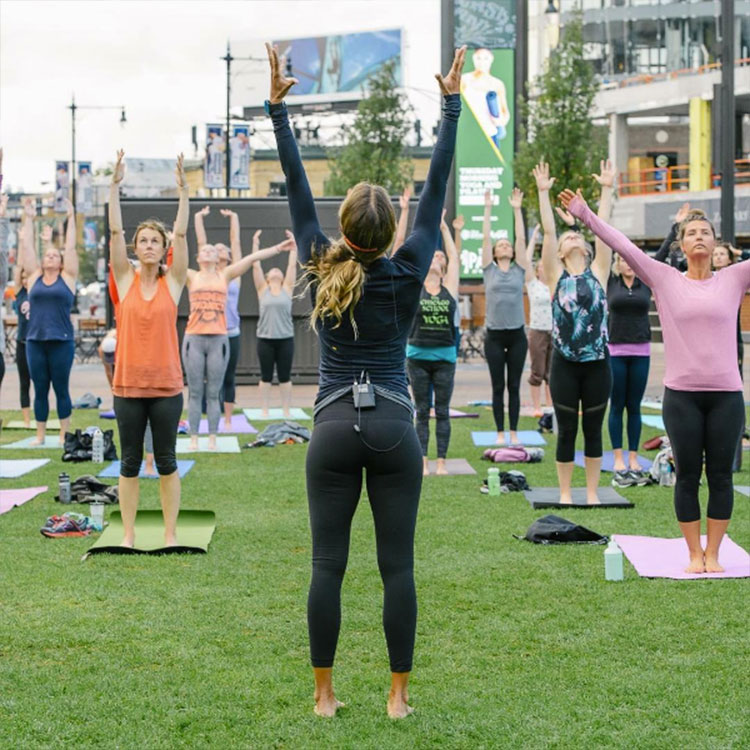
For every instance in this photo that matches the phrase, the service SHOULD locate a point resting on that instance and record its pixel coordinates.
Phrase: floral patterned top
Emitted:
(579, 314)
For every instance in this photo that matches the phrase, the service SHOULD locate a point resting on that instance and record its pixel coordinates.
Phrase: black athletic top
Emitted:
(435, 321)
(628, 311)
(390, 296)
(671, 256)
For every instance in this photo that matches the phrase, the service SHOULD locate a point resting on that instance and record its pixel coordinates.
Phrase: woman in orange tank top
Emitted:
(205, 347)
(147, 383)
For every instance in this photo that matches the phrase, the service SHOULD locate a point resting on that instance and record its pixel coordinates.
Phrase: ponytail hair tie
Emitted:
(357, 247)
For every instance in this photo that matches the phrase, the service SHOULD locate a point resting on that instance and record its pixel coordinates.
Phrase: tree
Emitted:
(375, 149)
(557, 127)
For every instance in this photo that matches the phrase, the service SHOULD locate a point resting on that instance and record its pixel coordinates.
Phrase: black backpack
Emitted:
(555, 530)
(78, 446)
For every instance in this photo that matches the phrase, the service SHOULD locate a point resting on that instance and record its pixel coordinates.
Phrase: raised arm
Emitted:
(235, 246)
(487, 229)
(26, 251)
(290, 277)
(177, 273)
(118, 253)
(70, 256)
(417, 251)
(550, 261)
(403, 219)
(259, 278)
(200, 230)
(529, 270)
(237, 269)
(516, 200)
(664, 252)
(305, 224)
(646, 268)
(450, 281)
(602, 263)
(4, 233)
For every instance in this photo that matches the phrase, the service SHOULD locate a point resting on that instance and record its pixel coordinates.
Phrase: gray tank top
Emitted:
(504, 297)
(275, 320)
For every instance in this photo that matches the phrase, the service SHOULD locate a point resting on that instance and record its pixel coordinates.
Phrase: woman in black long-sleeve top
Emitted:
(364, 304)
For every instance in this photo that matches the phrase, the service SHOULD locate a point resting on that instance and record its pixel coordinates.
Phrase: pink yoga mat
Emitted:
(655, 557)
(10, 498)
(240, 425)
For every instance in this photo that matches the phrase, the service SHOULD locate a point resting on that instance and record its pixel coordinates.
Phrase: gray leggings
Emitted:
(205, 359)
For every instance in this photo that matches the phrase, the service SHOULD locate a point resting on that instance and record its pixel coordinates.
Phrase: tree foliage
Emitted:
(375, 149)
(557, 127)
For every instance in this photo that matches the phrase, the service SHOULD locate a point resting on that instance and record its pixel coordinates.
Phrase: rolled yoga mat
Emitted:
(13, 498)
(224, 444)
(17, 424)
(276, 415)
(549, 497)
(51, 442)
(455, 466)
(194, 531)
(240, 425)
(489, 439)
(12, 468)
(653, 420)
(656, 557)
(608, 461)
(113, 470)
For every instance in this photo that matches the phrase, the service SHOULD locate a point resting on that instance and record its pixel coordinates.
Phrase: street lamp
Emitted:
(73, 107)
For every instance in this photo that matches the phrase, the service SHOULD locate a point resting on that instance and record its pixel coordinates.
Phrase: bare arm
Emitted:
(290, 278)
(118, 253)
(486, 230)
(516, 200)
(237, 269)
(602, 263)
(529, 270)
(235, 245)
(450, 281)
(403, 219)
(258, 277)
(26, 253)
(550, 262)
(177, 273)
(200, 230)
(70, 256)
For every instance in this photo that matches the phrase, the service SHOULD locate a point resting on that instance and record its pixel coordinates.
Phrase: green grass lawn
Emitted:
(518, 645)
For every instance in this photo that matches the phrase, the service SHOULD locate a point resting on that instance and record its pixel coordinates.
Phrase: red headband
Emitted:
(357, 247)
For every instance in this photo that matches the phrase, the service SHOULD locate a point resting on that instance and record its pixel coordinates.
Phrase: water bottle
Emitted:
(493, 481)
(613, 562)
(97, 447)
(63, 488)
(665, 470)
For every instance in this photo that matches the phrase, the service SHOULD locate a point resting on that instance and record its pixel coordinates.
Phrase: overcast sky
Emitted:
(160, 59)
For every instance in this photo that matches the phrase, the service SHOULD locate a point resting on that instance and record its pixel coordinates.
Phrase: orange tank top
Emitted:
(208, 301)
(148, 354)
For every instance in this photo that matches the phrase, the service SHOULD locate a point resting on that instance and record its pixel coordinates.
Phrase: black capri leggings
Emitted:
(388, 450)
(703, 423)
(163, 414)
(587, 383)
(506, 348)
(432, 378)
(228, 389)
(279, 352)
(24, 377)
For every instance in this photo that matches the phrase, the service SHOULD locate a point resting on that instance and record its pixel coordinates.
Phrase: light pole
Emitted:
(73, 107)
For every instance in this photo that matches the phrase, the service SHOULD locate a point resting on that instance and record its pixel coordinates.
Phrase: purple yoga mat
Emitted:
(608, 461)
(240, 425)
(655, 557)
(11, 498)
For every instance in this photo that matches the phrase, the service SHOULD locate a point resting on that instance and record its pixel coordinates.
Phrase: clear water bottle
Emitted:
(613, 562)
(63, 488)
(665, 474)
(493, 481)
(97, 447)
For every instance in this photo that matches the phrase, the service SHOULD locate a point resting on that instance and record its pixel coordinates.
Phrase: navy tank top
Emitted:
(49, 318)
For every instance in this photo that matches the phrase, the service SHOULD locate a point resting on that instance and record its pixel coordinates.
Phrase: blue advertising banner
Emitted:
(239, 153)
(62, 186)
(213, 165)
(84, 189)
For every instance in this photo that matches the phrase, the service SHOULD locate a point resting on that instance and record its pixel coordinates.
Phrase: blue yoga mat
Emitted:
(113, 470)
(489, 439)
(608, 461)
(653, 420)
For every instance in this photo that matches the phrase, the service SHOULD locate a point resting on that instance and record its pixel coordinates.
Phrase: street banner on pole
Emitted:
(213, 165)
(85, 189)
(239, 175)
(62, 186)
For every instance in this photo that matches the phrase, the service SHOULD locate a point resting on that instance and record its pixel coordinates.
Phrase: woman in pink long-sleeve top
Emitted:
(703, 397)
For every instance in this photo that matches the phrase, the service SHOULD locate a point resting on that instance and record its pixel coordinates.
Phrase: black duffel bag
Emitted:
(78, 446)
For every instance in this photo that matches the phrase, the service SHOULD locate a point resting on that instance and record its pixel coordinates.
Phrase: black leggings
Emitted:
(506, 348)
(24, 378)
(388, 450)
(163, 414)
(279, 352)
(571, 384)
(228, 388)
(427, 376)
(698, 423)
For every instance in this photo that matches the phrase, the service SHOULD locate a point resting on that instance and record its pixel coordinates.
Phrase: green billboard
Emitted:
(484, 150)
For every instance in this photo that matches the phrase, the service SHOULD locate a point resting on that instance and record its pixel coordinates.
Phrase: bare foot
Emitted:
(425, 467)
(27, 425)
(227, 425)
(62, 439)
(712, 564)
(500, 438)
(566, 498)
(193, 442)
(398, 707)
(326, 705)
(514, 438)
(170, 541)
(128, 541)
(538, 413)
(36, 441)
(697, 565)
(287, 414)
(441, 469)
(149, 469)
(264, 413)
(593, 500)
(212, 442)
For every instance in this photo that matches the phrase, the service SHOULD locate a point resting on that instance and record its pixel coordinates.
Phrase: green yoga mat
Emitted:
(194, 531)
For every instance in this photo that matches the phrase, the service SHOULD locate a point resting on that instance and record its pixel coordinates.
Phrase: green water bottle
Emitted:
(493, 481)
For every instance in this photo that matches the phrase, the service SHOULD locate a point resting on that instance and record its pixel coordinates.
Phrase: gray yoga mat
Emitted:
(454, 466)
(549, 497)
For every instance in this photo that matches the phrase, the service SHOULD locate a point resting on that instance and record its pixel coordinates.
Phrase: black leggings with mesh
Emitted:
(432, 378)
(386, 449)
(583, 386)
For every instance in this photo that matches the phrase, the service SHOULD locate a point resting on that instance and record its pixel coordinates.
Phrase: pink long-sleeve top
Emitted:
(698, 318)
